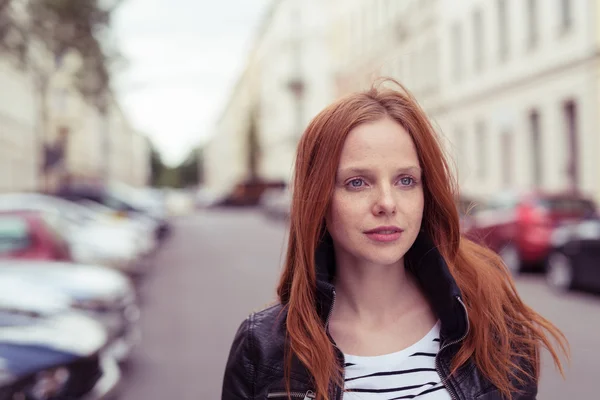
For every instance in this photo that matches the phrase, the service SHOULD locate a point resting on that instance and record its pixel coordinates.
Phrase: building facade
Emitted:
(226, 156)
(97, 146)
(287, 80)
(520, 94)
(512, 86)
(19, 139)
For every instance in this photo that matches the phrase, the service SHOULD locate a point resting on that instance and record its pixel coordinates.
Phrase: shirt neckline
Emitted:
(425, 341)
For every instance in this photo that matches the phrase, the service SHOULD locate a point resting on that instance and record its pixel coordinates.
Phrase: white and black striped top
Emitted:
(406, 374)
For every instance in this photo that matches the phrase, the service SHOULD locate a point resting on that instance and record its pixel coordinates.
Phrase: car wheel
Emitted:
(560, 272)
(511, 258)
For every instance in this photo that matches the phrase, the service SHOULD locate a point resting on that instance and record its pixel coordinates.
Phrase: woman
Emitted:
(380, 296)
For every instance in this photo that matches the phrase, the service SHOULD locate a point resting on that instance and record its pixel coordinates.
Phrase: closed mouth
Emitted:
(385, 230)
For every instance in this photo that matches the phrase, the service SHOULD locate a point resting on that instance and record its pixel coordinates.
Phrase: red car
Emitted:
(27, 235)
(519, 226)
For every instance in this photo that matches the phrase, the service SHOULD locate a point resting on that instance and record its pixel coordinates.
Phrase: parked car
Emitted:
(92, 237)
(141, 226)
(519, 225)
(118, 198)
(101, 293)
(111, 245)
(48, 351)
(27, 235)
(575, 256)
(248, 193)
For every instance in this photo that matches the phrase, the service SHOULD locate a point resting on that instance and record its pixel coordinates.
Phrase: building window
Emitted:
(566, 11)
(429, 66)
(481, 150)
(534, 126)
(457, 52)
(502, 30)
(570, 115)
(478, 39)
(506, 148)
(532, 24)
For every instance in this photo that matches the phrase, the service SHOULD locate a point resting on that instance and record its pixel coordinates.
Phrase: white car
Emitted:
(94, 237)
(105, 295)
(143, 227)
(108, 244)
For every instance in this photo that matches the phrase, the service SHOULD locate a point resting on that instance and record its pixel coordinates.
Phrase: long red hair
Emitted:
(503, 328)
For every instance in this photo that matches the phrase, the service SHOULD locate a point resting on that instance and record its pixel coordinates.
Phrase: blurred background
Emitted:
(146, 149)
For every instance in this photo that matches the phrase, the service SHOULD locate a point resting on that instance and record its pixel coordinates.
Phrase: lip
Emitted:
(384, 234)
(380, 229)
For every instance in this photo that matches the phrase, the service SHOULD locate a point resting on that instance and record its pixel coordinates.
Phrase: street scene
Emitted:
(187, 336)
(147, 155)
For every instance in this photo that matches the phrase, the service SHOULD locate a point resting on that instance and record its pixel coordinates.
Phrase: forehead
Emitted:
(382, 142)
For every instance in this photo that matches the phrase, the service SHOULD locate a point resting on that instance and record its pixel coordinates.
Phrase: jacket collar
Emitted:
(425, 262)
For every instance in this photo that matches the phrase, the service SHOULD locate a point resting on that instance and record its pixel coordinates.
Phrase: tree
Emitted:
(189, 169)
(80, 25)
(186, 174)
(170, 177)
(254, 148)
(13, 37)
(60, 27)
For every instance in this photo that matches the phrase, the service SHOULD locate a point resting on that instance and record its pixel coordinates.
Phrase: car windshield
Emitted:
(14, 234)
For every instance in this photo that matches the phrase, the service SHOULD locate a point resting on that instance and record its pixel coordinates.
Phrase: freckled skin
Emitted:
(378, 183)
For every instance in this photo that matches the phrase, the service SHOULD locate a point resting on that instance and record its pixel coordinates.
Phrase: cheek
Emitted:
(415, 208)
(340, 213)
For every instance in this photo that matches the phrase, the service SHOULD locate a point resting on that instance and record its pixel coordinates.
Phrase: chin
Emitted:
(383, 259)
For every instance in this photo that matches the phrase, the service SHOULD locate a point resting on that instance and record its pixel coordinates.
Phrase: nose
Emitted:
(385, 203)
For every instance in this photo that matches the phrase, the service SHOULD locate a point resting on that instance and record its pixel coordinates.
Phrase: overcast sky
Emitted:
(184, 56)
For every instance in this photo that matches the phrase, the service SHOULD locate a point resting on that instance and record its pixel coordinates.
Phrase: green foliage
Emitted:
(188, 173)
(63, 26)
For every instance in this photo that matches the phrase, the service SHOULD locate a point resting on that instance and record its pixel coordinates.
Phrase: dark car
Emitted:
(574, 260)
(518, 226)
(28, 235)
(48, 352)
(248, 193)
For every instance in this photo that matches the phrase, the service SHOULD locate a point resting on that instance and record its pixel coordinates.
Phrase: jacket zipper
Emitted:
(330, 310)
(336, 392)
(309, 395)
(437, 367)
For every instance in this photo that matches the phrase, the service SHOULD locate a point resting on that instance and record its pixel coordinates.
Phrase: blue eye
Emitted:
(356, 183)
(407, 181)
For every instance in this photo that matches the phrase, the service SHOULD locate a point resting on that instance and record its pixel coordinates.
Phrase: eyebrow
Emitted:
(365, 171)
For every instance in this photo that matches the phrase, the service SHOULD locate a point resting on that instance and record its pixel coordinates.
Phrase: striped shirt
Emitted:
(406, 374)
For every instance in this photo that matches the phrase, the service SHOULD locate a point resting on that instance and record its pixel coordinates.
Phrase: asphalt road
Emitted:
(218, 267)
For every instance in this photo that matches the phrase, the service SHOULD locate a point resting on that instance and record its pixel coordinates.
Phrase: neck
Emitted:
(375, 294)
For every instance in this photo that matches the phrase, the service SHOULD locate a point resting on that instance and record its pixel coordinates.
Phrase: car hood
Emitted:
(21, 295)
(51, 341)
(81, 282)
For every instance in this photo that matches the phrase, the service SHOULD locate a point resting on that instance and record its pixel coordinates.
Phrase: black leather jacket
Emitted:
(255, 367)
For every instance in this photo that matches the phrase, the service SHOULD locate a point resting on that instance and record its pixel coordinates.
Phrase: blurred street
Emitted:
(209, 275)
(219, 266)
(143, 192)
